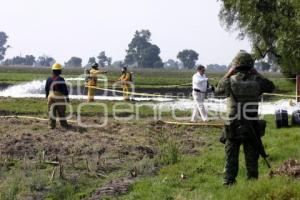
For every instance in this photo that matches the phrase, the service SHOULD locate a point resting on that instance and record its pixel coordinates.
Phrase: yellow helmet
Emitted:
(56, 66)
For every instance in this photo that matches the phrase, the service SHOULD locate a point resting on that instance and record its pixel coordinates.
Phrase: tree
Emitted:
(216, 68)
(119, 64)
(171, 64)
(109, 61)
(28, 60)
(188, 58)
(3, 47)
(141, 52)
(103, 60)
(74, 62)
(150, 57)
(271, 25)
(92, 60)
(263, 66)
(45, 61)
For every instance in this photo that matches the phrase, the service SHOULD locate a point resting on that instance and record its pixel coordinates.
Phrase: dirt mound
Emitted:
(113, 189)
(289, 168)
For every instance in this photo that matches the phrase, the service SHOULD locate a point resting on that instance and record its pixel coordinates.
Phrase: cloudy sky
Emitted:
(65, 28)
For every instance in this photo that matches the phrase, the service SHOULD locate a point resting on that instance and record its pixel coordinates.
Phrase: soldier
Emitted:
(243, 86)
(57, 95)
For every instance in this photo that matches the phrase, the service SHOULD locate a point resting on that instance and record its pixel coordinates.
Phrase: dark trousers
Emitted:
(57, 111)
(232, 149)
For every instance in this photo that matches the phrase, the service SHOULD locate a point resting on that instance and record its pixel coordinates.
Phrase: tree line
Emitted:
(140, 53)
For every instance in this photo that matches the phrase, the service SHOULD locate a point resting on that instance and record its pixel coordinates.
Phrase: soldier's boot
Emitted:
(252, 174)
(228, 183)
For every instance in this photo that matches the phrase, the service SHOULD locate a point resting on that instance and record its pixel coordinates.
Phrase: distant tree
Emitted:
(119, 64)
(45, 61)
(109, 61)
(3, 47)
(263, 66)
(150, 57)
(188, 58)
(103, 60)
(74, 62)
(28, 60)
(171, 64)
(91, 60)
(216, 68)
(142, 52)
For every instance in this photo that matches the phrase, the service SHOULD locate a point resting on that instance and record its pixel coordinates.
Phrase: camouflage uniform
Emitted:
(235, 134)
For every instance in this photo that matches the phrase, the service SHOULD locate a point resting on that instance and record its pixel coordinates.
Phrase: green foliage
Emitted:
(188, 58)
(11, 190)
(103, 60)
(264, 66)
(45, 61)
(74, 62)
(142, 52)
(91, 61)
(3, 48)
(19, 60)
(271, 25)
(63, 191)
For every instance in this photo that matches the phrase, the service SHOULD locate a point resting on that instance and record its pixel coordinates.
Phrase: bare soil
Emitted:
(105, 150)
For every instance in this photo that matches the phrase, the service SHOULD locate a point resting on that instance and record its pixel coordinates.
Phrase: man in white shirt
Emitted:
(200, 83)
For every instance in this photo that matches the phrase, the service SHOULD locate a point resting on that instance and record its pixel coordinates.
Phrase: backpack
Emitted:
(245, 89)
(281, 118)
(87, 75)
(296, 117)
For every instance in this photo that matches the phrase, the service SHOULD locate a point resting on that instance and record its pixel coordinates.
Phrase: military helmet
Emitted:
(95, 66)
(243, 61)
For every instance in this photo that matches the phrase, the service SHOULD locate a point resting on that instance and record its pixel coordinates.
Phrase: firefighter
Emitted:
(58, 96)
(92, 81)
(126, 81)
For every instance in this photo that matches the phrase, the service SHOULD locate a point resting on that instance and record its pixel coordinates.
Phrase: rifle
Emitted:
(255, 140)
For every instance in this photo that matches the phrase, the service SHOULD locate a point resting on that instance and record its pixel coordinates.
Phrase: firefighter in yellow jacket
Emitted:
(126, 80)
(58, 96)
(92, 81)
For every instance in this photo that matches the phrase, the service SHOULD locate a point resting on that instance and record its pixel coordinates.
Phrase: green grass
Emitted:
(204, 172)
(38, 107)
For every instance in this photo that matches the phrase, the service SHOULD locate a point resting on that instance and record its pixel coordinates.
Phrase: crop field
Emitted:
(135, 155)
